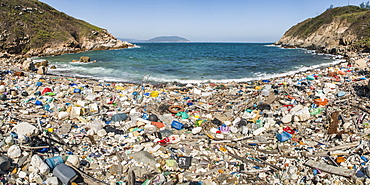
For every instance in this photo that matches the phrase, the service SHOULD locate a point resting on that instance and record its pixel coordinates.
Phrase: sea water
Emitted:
(190, 62)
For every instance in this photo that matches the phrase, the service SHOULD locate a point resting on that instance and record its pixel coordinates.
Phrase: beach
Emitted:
(306, 128)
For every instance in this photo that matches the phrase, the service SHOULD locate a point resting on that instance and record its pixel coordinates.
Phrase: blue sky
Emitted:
(197, 20)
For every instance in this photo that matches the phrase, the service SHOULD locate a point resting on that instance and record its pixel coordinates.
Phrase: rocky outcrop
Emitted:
(84, 59)
(336, 31)
(102, 41)
(33, 28)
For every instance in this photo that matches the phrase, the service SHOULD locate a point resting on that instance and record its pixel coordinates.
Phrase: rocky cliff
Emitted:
(336, 31)
(34, 28)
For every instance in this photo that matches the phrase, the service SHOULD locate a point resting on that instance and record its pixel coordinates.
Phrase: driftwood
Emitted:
(330, 169)
(333, 127)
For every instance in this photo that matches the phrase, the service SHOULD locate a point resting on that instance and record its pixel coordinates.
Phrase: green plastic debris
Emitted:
(310, 77)
(50, 94)
(183, 115)
(316, 111)
(199, 122)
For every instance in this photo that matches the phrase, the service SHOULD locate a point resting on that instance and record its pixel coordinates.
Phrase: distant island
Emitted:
(158, 39)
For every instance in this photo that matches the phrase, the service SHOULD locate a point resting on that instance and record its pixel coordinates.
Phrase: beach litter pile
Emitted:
(308, 128)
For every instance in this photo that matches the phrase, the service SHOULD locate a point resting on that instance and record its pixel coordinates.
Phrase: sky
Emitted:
(256, 21)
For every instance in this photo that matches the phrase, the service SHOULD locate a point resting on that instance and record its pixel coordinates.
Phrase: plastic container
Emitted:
(265, 92)
(321, 102)
(184, 162)
(310, 77)
(154, 94)
(177, 125)
(4, 164)
(64, 173)
(53, 162)
(341, 93)
(119, 117)
(284, 136)
(46, 90)
(38, 102)
(76, 90)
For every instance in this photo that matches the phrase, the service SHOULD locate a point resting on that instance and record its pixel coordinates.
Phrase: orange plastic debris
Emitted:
(321, 102)
(158, 124)
(340, 159)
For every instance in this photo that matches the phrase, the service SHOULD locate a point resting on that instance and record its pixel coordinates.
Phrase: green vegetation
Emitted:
(33, 24)
(309, 26)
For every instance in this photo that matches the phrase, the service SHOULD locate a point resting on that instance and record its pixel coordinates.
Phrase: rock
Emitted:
(360, 64)
(39, 165)
(74, 61)
(44, 63)
(62, 115)
(35, 177)
(28, 65)
(303, 114)
(101, 133)
(120, 117)
(3, 55)
(74, 160)
(19, 73)
(5, 163)
(14, 151)
(53, 67)
(2, 88)
(84, 59)
(287, 118)
(26, 129)
(42, 70)
(144, 157)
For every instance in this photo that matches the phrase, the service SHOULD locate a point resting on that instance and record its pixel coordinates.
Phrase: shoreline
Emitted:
(275, 128)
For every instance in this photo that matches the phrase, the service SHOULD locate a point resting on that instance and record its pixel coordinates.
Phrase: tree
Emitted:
(331, 7)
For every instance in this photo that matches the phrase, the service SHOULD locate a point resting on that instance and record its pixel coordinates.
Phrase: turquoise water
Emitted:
(190, 62)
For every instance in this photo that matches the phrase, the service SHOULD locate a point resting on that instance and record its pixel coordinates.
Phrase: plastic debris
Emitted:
(308, 128)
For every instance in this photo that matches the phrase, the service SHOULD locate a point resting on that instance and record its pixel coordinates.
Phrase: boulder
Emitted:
(74, 61)
(28, 65)
(42, 63)
(41, 70)
(26, 129)
(360, 64)
(84, 59)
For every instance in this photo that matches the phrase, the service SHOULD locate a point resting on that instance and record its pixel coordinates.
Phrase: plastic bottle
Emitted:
(154, 94)
(265, 92)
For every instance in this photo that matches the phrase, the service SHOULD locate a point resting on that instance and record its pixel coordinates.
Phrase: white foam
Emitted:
(258, 75)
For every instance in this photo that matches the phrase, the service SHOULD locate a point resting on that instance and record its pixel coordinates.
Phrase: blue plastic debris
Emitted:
(177, 125)
(341, 93)
(119, 117)
(284, 136)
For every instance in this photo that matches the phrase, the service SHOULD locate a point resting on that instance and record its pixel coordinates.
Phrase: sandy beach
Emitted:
(307, 128)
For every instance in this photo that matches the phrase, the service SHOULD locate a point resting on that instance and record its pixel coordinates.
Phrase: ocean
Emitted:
(190, 63)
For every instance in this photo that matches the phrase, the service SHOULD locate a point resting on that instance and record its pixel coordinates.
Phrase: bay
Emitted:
(190, 62)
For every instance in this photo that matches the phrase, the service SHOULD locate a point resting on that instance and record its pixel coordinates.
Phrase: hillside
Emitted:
(336, 31)
(35, 28)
